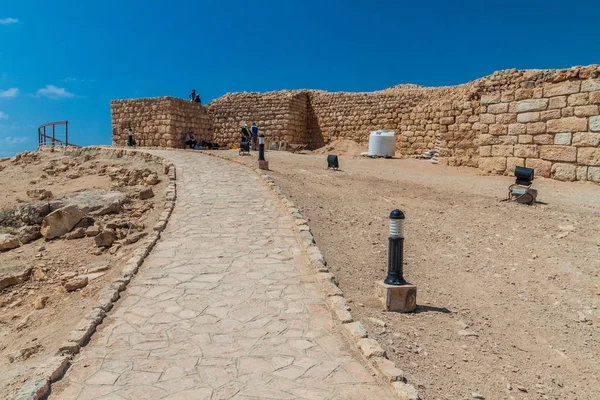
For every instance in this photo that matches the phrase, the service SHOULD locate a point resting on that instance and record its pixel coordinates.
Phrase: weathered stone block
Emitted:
(498, 129)
(543, 139)
(532, 105)
(508, 139)
(563, 138)
(557, 102)
(542, 168)
(586, 139)
(564, 172)
(487, 119)
(535, 128)
(502, 150)
(528, 117)
(577, 99)
(567, 112)
(569, 124)
(521, 94)
(525, 139)
(486, 140)
(581, 173)
(550, 114)
(506, 118)
(493, 164)
(586, 111)
(590, 85)
(559, 153)
(485, 151)
(595, 124)
(561, 89)
(593, 174)
(526, 151)
(517, 129)
(490, 98)
(588, 155)
(498, 108)
(447, 120)
(594, 97)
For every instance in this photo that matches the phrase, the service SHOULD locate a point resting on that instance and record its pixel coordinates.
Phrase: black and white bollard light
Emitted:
(262, 163)
(394, 292)
(261, 147)
(396, 250)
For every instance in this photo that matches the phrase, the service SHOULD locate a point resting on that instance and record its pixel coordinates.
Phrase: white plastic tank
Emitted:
(382, 143)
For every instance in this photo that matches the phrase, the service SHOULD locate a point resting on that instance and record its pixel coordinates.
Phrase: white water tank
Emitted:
(382, 143)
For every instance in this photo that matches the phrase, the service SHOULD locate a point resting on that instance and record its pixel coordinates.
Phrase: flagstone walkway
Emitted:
(225, 307)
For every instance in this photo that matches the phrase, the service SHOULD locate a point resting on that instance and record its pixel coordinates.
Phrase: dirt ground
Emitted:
(29, 335)
(508, 294)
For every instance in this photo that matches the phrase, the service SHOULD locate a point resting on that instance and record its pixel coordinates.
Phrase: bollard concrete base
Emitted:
(397, 298)
(263, 165)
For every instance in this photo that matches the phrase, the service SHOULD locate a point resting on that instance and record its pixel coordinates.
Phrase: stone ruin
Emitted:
(544, 119)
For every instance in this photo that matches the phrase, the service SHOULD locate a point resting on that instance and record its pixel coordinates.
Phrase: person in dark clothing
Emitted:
(130, 139)
(190, 140)
(245, 133)
(192, 95)
(197, 99)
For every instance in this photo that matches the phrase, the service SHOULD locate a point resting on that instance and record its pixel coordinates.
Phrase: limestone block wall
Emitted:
(281, 116)
(545, 119)
(161, 121)
(552, 127)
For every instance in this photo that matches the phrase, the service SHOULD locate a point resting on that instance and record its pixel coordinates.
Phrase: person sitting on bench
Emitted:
(190, 140)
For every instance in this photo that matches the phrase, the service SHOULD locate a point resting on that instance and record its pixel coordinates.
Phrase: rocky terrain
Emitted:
(67, 220)
(508, 295)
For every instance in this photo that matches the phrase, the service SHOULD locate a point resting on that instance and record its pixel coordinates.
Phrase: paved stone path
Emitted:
(225, 307)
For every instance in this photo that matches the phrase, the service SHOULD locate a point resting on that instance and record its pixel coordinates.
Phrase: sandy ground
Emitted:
(508, 294)
(39, 333)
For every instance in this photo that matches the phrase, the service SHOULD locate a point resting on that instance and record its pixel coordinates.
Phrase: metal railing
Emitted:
(45, 139)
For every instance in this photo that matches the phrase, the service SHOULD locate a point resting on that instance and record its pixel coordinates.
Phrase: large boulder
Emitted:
(8, 242)
(97, 202)
(61, 221)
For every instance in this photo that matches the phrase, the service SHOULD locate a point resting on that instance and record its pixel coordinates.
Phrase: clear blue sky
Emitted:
(67, 59)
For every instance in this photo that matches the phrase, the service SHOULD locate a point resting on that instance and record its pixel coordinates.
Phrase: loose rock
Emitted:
(76, 283)
(61, 221)
(105, 239)
(8, 242)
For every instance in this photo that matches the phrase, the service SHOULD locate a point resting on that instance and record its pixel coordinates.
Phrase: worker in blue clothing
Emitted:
(254, 133)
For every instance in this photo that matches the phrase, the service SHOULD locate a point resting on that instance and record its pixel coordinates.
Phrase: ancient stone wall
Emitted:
(161, 121)
(281, 116)
(545, 119)
(552, 127)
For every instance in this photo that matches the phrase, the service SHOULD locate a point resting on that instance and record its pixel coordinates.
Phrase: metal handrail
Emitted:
(44, 138)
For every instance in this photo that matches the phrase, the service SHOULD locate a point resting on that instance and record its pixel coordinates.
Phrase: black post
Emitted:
(396, 250)
(261, 147)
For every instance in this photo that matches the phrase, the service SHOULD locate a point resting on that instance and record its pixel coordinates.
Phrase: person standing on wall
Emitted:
(192, 95)
(130, 139)
(198, 100)
(254, 133)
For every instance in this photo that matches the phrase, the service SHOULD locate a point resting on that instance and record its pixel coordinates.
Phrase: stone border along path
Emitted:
(53, 368)
(272, 361)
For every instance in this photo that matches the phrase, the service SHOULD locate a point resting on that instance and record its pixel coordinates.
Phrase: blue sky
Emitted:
(67, 59)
